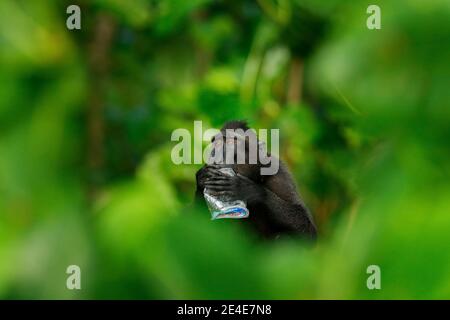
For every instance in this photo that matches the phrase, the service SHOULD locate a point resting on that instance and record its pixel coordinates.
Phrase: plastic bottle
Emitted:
(224, 207)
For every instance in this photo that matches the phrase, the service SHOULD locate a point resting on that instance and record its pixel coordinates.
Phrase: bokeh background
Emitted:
(86, 118)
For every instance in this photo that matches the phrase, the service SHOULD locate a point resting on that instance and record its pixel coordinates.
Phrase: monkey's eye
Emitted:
(217, 142)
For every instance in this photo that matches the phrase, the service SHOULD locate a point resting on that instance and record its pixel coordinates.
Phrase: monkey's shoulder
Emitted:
(282, 184)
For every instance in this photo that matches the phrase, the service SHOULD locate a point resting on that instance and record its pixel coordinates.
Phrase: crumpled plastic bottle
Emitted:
(223, 207)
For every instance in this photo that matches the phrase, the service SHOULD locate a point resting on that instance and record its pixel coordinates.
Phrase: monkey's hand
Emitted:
(201, 177)
(205, 173)
(234, 187)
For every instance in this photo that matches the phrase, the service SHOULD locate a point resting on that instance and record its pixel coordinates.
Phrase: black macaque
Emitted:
(273, 202)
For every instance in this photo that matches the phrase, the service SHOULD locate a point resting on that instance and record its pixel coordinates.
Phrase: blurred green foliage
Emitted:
(86, 117)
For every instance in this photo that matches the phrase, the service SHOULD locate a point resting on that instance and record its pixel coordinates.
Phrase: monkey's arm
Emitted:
(284, 205)
(286, 211)
(292, 216)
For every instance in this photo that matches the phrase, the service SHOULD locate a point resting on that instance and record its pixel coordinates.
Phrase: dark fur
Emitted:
(273, 202)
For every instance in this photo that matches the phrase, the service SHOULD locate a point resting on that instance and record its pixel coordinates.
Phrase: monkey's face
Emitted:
(238, 151)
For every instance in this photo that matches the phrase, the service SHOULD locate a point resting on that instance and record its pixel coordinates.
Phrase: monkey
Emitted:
(275, 207)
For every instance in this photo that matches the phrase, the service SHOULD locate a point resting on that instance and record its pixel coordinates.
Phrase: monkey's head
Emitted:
(238, 146)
